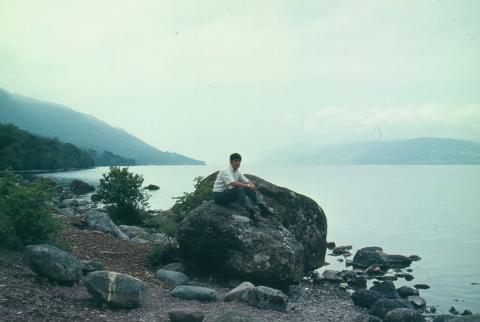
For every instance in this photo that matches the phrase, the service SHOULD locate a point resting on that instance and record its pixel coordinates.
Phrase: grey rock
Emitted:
(386, 289)
(398, 261)
(152, 187)
(89, 266)
(370, 256)
(300, 215)
(417, 301)
(234, 316)
(195, 293)
(414, 258)
(331, 276)
(264, 297)
(53, 263)
(404, 315)
(177, 267)
(98, 220)
(67, 212)
(383, 306)
(66, 203)
(79, 187)
(132, 231)
(139, 240)
(240, 293)
(365, 298)
(421, 286)
(186, 315)
(115, 289)
(263, 252)
(406, 291)
(171, 279)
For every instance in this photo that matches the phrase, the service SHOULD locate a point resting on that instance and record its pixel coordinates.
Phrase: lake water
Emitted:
(430, 211)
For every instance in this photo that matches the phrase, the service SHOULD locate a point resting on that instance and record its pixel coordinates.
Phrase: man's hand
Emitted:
(251, 186)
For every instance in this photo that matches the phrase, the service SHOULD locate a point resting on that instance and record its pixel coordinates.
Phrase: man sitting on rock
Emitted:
(231, 186)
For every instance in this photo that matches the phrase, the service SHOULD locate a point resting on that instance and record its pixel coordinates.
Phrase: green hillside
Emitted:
(21, 150)
(57, 121)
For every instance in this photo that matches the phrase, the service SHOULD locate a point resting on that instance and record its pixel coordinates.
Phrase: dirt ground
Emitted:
(26, 297)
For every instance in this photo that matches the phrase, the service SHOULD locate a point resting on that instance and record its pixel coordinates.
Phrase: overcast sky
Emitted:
(207, 78)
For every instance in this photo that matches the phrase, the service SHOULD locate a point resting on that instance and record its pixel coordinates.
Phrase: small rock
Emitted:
(365, 298)
(240, 293)
(406, 291)
(79, 187)
(421, 286)
(387, 278)
(53, 263)
(433, 309)
(264, 297)
(409, 277)
(466, 312)
(453, 310)
(417, 301)
(171, 279)
(177, 267)
(152, 187)
(115, 289)
(90, 266)
(330, 245)
(386, 289)
(186, 315)
(195, 293)
(404, 315)
(383, 306)
(348, 262)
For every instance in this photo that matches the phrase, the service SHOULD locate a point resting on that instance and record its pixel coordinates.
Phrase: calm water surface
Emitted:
(431, 211)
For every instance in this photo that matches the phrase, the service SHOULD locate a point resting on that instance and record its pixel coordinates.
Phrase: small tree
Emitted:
(25, 214)
(121, 191)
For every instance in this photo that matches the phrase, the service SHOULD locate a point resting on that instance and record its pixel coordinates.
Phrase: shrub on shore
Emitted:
(168, 224)
(121, 191)
(25, 214)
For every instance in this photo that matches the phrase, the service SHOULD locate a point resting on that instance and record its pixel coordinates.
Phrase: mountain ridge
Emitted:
(422, 150)
(83, 130)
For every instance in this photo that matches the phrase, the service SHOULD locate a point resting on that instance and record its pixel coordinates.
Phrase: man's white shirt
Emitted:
(227, 176)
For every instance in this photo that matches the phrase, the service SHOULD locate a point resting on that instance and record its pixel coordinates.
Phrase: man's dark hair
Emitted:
(235, 156)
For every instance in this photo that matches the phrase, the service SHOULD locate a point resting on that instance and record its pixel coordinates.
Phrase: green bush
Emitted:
(191, 200)
(25, 214)
(121, 191)
(162, 255)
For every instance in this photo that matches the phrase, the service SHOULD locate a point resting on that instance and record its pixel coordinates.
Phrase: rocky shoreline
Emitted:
(121, 284)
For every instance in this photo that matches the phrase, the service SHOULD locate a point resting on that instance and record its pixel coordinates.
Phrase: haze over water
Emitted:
(430, 211)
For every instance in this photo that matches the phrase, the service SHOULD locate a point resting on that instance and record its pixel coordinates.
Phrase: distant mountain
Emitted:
(411, 151)
(85, 131)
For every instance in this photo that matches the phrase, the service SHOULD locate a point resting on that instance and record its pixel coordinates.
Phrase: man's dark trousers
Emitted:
(236, 194)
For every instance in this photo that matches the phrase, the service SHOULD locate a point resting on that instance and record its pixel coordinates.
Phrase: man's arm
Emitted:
(239, 184)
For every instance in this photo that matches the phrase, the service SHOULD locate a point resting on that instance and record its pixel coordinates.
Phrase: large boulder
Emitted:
(53, 263)
(383, 306)
(300, 215)
(98, 220)
(115, 289)
(79, 187)
(224, 241)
